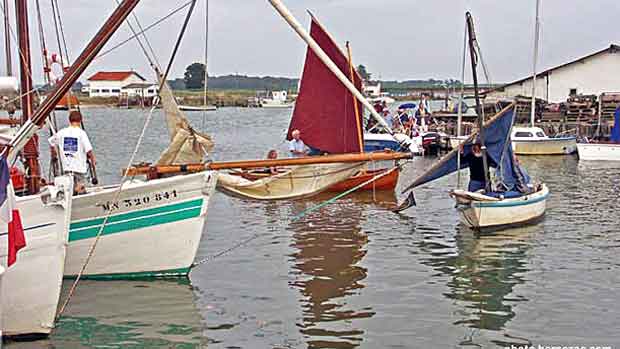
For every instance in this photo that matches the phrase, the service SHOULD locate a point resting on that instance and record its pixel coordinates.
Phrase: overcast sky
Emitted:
(395, 39)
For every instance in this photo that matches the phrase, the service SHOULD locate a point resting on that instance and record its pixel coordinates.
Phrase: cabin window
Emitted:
(151, 91)
(115, 90)
(524, 134)
(572, 92)
(540, 134)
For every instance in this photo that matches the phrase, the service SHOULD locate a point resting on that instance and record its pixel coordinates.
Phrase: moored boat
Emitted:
(534, 141)
(598, 151)
(198, 108)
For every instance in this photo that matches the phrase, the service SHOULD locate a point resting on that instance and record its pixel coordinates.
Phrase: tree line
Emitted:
(194, 78)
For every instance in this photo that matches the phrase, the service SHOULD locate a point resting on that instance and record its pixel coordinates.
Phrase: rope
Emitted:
(124, 178)
(152, 25)
(297, 217)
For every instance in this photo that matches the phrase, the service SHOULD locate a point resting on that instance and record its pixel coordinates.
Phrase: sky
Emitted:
(394, 39)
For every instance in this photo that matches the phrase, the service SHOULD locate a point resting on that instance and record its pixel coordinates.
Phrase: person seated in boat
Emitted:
(371, 125)
(296, 146)
(272, 170)
(474, 160)
(75, 151)
(404, 118)
(378, 107)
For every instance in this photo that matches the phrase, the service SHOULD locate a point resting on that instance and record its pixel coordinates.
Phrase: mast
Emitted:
(288, 17)
(536, 39)
(7, 39)
(474, 62)
(358, 119)
(31, 149)
(70, 77)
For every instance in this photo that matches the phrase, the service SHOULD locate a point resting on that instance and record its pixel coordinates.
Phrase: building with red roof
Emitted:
(117, 83)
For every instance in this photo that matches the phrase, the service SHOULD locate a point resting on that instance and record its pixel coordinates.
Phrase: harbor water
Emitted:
(354, 274)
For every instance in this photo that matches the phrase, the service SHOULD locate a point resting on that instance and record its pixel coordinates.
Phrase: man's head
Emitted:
(75, 118)
(476, 148)
(296, 134)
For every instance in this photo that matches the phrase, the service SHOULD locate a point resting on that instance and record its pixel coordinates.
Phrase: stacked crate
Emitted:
(608, 104)
(581, 108)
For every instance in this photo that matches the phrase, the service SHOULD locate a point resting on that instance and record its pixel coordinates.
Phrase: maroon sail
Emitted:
(324, 110)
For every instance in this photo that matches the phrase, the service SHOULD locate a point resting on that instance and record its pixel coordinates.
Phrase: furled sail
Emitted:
(324, 110)
(499, 149)
(186, 144)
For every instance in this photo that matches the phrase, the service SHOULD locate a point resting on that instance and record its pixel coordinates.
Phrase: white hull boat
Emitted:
(197, 108)
(31, 286)
(154, 230)
(479, 211)
(534, 141)
(599, 151)
(276, 104)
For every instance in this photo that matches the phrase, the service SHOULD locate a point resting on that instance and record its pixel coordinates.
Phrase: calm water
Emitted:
(354, 274)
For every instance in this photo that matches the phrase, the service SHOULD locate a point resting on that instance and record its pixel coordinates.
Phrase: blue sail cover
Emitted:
(497, 134)
(615, 131)
(407, 106)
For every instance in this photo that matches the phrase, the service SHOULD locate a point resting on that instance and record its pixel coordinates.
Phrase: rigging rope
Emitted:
(300, 215)
(124, 178)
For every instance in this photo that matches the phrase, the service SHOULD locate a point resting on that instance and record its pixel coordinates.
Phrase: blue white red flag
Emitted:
(9, 213)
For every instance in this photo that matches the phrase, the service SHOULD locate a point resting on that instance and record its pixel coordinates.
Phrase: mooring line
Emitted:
(299, 216)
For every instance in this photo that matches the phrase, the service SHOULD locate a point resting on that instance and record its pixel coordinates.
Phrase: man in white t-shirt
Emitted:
(75, 149)
(296, 146)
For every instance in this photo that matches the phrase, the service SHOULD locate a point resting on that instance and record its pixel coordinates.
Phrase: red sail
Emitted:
(324, 110)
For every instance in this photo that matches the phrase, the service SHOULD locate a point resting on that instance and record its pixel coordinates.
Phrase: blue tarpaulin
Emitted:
(615, 131)
(497, 140)
(408, 106)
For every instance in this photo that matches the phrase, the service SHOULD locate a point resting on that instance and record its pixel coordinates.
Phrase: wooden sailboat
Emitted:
(322, 96)
(319, 99)
(532, 140)
(513, 199)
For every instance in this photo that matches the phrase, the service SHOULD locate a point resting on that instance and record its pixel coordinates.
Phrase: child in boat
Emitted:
(271, 155)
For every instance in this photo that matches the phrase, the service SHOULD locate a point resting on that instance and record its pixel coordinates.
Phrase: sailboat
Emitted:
(512, 199)
(323, 97)
(532, 140)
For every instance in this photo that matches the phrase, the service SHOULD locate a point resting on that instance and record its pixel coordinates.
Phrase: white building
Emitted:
(111, 84)
(140, 89)
(592, 74)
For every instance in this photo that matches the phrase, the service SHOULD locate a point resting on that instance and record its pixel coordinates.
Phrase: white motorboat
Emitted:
(534, 141)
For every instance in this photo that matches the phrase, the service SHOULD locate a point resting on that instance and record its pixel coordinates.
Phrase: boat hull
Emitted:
(549, 146)
(478, 213)
(154, 230)
(293, 183)
(387, 182)
(598, 151)
(31, 286)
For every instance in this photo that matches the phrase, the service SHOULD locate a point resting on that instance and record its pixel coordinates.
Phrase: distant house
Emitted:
(111, 84)
(591, 74)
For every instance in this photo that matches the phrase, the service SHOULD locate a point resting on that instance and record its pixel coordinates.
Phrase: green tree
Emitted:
(195, 76)
(361, 70)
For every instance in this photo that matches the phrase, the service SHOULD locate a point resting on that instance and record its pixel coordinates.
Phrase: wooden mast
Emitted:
(474, 63)
(31, 149)
(536, 39)
(70, 77)
(360, 134)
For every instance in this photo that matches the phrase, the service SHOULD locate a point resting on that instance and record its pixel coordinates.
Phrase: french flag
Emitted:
(9, 213)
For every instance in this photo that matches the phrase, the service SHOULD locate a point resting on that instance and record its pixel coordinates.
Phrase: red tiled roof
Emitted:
(113, 76)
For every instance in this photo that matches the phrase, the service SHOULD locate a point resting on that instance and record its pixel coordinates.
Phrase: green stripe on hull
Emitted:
(136, 214)
(140, 275)
(136, 220)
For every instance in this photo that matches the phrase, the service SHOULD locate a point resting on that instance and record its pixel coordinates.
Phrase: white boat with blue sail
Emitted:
(513, 199)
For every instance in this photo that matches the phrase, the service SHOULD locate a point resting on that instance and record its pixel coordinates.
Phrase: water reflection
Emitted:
(329, 246)
(483, 271)
(121, 314)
